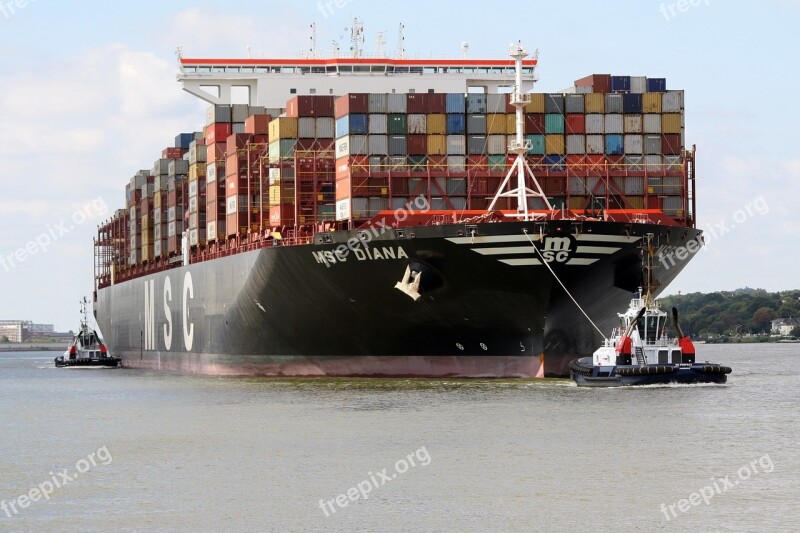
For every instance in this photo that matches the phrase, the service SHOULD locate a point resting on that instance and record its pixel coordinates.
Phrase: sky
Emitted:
(88, 96)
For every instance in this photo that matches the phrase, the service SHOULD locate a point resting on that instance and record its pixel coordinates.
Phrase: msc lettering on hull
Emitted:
(149, 334)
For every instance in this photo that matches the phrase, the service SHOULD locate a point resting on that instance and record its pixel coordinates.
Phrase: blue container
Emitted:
(632, 103)
(614, 144)
(476, 103)
(656, 85)
(537, 144)
(456, 124)
(554, 103)
(620, 84)
(455, 103)
(182, 140)
(355, 124)
(555, 163)
(553, 123)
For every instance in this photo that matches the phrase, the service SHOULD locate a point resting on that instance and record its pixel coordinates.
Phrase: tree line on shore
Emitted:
(736, 313)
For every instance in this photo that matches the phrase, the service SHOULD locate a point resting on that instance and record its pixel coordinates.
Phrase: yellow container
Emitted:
(537, 103)
(577, 202)
(283, 128)
(595, 103)
(274, 195)
(495, 124)
(671, 123)
(437, 124)
(197, 171)
(651, 103)
(437, 144)
(637, 202)
(554, 144)
(511, 124)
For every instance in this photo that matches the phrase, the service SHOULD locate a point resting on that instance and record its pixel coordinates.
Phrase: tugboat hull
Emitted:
(586, 375)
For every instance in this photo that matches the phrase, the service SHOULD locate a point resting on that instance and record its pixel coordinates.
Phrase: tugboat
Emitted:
(641, 352)
(87, 348)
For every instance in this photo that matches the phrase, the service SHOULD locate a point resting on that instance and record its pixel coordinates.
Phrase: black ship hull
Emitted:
(443, 300)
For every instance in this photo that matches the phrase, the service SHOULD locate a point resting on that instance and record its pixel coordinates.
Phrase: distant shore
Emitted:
(32, 347)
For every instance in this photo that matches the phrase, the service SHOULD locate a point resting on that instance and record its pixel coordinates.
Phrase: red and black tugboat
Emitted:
(86, 348)
(641, 352)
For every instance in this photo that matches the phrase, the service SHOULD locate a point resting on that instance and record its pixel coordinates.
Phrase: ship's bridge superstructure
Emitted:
(271, 82)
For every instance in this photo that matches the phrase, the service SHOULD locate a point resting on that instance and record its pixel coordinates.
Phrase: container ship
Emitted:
(445, 220)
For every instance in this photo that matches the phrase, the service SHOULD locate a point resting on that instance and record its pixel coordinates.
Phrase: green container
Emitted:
(554, 123)
(537, 144)
(497, 163)
(397, 124)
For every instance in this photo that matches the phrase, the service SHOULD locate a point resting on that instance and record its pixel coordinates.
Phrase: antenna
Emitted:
(401, 49)
(380, 40)
(465, 48)
(356, 34)
(520, 146)
(248, 52)
(313, 40)
(335, 49)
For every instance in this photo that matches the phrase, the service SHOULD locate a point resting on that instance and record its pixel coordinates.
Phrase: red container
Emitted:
(257, 124)
(216, 151)
(616, 163)
(479, 186)
(554, 185)
(655, 202)
(237, 141)
(437, 103)
(417, 103)
(576, 123)
(317, 145)
(217, 132)
(671, 144)
(310, 106)
(417, 144)
(281, 215)
(356, 165)
(600, 83)
(351, 103)
(534, 123)
(236, 223)
(399, 186)
(596, 165)
(437, 163)
(172, 153)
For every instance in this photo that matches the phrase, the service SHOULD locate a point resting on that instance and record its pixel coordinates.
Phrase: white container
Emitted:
(378, 124)
(652, 123)
(614, 123)
(633, 123)
(397, 102)
(306, 128)
(595, 123)
(634, 144)
(378, 145)
(638, 84)
(595, 144)
(576, 144)
(456, 145)
(417, 124)
(496, 144)
(672, 102)
(326, 127)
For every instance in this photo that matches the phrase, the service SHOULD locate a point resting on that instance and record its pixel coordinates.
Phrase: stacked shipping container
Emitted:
(610, 141)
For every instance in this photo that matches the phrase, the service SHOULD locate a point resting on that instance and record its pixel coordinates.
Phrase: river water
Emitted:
(119, 449)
